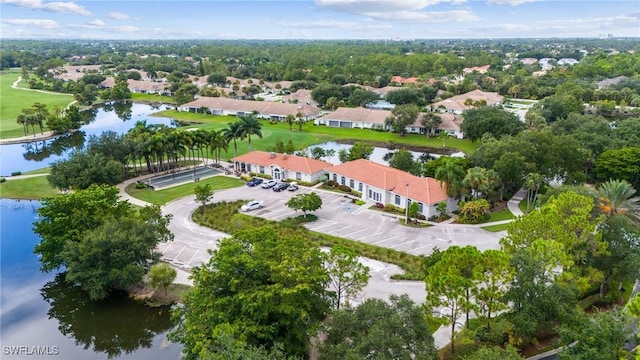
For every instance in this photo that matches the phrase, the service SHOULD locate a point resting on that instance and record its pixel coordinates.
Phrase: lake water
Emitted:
(379, 153)
(39, 154)
(39, 310)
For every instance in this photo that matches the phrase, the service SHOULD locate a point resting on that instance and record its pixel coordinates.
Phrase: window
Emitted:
(360, 187)
(352, 184)
(342, 181)
(261, 169)
(370, 194)
(397, 199)
(248, 167)
(298, 176)
(335, 177)
(421, 208)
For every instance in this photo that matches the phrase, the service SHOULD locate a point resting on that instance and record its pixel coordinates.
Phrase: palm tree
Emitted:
(476, 179)
(532, 183)
(300, 120)
(290, 120)
(249, 125)
(452, 175)
(232, 132)
(616, 198)
(217, 142)
(22, 119)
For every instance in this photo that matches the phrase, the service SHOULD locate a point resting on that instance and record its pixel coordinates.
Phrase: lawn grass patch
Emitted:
(38, 171)
(161, 197)
(501, 215)
(314, 134)
(14, 100)
(496, 228)
(33, 188)
(152, 98)
(522, 205)
(225, 217)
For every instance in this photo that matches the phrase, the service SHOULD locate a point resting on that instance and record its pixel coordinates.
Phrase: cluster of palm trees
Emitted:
(35, 115)
(161, 148)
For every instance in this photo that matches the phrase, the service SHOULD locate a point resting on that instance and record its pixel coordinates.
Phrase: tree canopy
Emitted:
(490, 120)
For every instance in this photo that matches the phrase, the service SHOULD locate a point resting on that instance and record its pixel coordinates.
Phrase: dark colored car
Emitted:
(280, 186)
(254, 182)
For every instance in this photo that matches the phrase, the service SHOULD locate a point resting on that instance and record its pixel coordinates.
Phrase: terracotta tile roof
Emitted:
(263, 107)
(480, 69)
(289, 162)
(425, 190)
(457, 102)
(359, 114)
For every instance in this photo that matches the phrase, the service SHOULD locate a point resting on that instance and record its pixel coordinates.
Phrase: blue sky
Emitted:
(319, 19)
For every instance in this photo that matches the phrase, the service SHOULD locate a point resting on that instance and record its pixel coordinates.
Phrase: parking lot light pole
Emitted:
(406, 212)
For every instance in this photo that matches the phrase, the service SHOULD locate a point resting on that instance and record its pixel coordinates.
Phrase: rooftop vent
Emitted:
(272, 155)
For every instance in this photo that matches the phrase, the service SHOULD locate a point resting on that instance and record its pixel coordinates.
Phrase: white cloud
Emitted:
(510, 2)
(330, 24)
(427, 16)
(56, 6)
(125, 29)
(96, 22)
(118, 16)
(366, 6)
(40, 23)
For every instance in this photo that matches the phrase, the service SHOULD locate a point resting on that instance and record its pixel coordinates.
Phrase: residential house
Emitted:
(399, 80)
(282, 166)
(140, 87)
(459, 103)
(262, 109)
(358, 117)
(386, 185)
(451, 124)
(480, 69)
(610, 82)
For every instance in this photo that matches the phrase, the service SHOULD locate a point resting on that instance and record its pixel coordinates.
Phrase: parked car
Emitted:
(254, 182)
(293, 186)
(252, 205)
(281, 186)
(269, 184)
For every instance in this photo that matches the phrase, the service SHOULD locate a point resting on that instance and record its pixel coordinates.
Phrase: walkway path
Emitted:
(514, 202)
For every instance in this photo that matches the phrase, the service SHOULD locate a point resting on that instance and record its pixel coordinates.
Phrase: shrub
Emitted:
(420, 216)
(16, 173)
(332, 183)
(344, 188)
(2, 180)
(141, 185)
(360, 202)
(379, 205)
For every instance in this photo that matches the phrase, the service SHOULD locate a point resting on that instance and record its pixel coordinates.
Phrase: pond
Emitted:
(39, 154)
(42, 314)
(380, 155)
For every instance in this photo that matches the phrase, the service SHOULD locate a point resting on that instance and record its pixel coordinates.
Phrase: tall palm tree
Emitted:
(616, 197)
(217, 142)
(290, 119)
(452, 175)
(300, 120)
(532, 183)
(22, 119)
(250, 125)
(232, 133)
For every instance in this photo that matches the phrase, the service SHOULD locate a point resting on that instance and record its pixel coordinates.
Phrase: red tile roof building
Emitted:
(282, 166)
(386, 185)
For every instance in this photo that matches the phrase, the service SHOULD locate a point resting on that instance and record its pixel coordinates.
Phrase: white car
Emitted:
(269, 184)
(252, 205)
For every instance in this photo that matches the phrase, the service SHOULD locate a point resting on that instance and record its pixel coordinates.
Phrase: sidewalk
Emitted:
(515, 200)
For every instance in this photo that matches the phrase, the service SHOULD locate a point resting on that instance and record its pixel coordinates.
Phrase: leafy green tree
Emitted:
(490, 120)
(358, 150)
(558, 107)
(290, 119)
(217, 78)
(376, 329)
(305, 202)
(476, 179)
(430, 121)
(203, 193)
(405, 96)
(348, 275)
(621, 164)
(564, 223)
(412, 212)
(403, 160)
(332, 103)
(401, 117)
(115, 255)
(361, 97)
(621, 261)
(162, 274)
(494, 352)
(120, 90)
(185, 93)
(532, 184)
(82, 170)
(596, 336)
(497, 274)
(326, 91)
(261, 289)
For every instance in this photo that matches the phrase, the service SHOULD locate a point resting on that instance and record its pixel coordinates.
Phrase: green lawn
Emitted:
(523, 206)
(38, 171)
(29, 188)
(503, 214)
(313, 134)
(496, 228)
(162, 197)
(14, 100)
(152, 98)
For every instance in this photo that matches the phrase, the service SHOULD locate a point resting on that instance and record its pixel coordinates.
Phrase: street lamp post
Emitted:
(406, 212)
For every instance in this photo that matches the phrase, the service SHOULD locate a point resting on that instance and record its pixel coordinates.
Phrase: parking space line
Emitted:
(194, 255)
(418, 248)
(368, 236)
(336, 230)
(355, 232)
(400, 244)
(383, 240)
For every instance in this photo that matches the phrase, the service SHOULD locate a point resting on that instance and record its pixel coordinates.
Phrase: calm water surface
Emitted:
(38, 309)
(39, 154)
